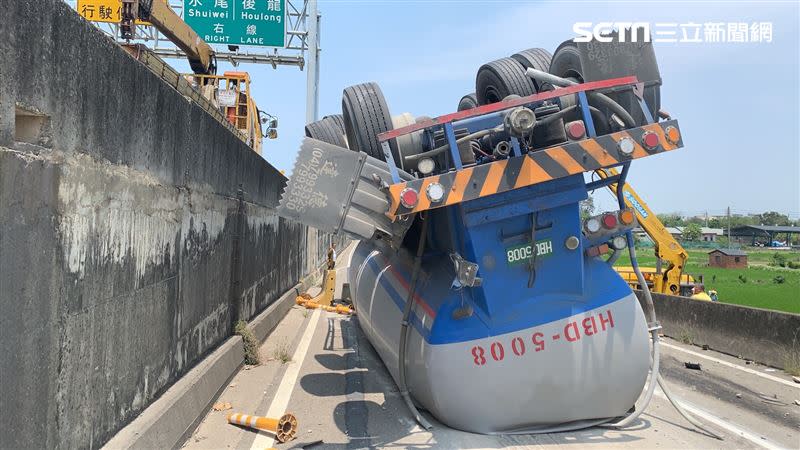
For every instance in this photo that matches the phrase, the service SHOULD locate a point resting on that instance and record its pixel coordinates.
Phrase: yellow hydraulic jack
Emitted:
(325, 298)
(284, 428)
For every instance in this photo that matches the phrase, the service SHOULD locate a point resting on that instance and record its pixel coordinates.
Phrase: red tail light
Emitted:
(609, 221)
(650, 140)
(409, 198)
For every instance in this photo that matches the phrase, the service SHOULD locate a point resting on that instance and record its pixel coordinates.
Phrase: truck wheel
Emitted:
(499, 79)
(566, 63)
(327, 130)
(468, 101)
(535, 58)
(337, 118)
(366, 115)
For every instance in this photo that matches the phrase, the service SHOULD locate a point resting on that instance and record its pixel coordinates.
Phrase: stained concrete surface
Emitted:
(135, 230)
(765, 336)
(345, 397)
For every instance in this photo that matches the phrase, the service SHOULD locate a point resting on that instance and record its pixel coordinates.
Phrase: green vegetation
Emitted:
(757, 286)
(281, 353)
(250, 343)
(791, 362)
(766, 218)
(692, 232)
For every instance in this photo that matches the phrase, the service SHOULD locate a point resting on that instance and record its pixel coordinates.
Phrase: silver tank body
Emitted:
(556, 384)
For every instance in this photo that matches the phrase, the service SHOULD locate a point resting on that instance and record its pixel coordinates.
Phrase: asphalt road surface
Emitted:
(343, 396)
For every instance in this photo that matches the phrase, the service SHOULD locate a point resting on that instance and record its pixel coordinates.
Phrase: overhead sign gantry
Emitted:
(238, 22)
(274, 32)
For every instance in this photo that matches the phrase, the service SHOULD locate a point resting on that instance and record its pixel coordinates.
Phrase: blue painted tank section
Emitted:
(519, 331)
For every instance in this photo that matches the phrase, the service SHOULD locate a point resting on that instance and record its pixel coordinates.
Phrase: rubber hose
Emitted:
(601, 98)
(655, 359)
(555, 116)
(614, 257)
(437, 150)
(614, 106)
(654, 372)
(401, 351)
(683, 412)
(655, 355)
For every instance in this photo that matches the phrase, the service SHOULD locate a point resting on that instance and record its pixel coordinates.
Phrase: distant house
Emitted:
(676, 232)
(706, 234)
(640, 233)
(727, 258)
(710, 234)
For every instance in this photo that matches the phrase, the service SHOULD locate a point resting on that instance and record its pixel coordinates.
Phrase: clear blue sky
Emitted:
(737, 103)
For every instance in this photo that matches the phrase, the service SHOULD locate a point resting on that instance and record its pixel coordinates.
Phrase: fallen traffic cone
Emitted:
(312, 304)
(302, 299)
(284, 428)
(342, 309)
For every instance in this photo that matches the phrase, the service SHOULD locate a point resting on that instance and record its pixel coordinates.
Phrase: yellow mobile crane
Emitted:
(670, 280)
(237, 108)
(198, 52)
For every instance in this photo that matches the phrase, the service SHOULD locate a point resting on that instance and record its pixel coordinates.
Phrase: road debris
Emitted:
(691, 365)
(222, 406)
(772, 400)
(305, 445)
(796, 379)
(284, 427)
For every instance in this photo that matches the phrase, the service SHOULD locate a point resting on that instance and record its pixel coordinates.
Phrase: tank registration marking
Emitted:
(574, 331)
(302, 194)
(520, 254)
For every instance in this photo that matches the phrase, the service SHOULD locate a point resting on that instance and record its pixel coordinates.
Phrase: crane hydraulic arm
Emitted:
(667, 248)
(198, 52)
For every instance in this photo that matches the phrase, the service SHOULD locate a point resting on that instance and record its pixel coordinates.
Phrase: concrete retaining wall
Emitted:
(767, 337)
(134, 231)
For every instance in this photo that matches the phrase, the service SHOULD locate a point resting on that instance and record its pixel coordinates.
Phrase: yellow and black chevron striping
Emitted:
(537, 167)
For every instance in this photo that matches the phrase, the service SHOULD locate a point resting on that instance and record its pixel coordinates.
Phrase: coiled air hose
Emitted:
(401, 351)
(653, 328)
(653, 324)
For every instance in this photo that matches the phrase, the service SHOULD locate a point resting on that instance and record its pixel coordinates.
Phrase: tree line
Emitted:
(773, 218)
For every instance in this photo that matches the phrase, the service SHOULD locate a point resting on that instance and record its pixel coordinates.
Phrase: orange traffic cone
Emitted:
(284, 428)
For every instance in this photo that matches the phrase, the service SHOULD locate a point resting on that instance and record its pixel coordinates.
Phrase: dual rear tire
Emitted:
(330, 129)
(498, 79)
(366, 115)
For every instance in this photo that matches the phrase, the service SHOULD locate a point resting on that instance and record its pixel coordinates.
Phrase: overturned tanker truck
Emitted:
(488, 297)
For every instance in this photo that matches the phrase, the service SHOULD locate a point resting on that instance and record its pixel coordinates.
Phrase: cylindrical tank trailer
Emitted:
(502, 357)
(476, 279)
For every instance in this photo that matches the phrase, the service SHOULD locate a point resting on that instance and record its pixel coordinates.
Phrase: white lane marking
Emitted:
(735, 366)
(286, 386)
(722, 423)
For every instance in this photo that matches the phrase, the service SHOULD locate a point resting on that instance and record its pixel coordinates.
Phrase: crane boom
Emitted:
(198, 52)
(667, 248)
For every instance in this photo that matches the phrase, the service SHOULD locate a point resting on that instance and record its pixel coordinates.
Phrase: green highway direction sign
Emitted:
(238, 22)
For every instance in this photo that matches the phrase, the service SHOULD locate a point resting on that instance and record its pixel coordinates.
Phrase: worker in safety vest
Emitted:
(331, 256)
(699, 293)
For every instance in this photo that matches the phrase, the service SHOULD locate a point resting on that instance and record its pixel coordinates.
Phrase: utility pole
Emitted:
(312, 62)
(730, 245)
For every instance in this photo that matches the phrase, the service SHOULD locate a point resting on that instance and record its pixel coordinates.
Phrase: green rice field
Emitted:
(756, 286)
